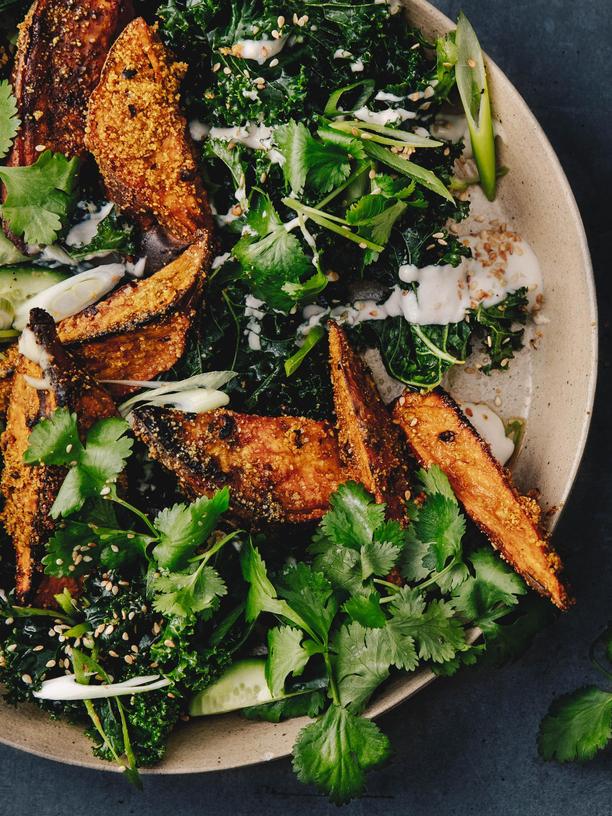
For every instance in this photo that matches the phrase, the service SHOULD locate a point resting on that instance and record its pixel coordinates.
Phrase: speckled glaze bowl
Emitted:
(558, 393)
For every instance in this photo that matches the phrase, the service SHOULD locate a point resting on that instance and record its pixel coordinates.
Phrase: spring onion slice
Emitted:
(67, 688)
(414, 171)
(295, 361)
(392, 135)
(196, 395)
(473, 88)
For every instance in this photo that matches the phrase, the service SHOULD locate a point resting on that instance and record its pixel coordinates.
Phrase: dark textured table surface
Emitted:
(465, 745)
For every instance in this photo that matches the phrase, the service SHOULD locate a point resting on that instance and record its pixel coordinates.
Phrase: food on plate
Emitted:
(139, 137)
(278, 469)
(209, 502)
(61, 49)
(440, 434)
(47, 377)
(369, 442)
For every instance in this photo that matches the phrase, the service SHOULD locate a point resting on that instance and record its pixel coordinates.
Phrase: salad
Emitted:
(237, 266)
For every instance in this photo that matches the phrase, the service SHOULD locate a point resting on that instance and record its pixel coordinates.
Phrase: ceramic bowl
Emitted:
(558, 393)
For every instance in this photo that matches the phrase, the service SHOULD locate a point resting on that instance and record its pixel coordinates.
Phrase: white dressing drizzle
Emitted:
(85, 231)
(390, 116)
(491, 428)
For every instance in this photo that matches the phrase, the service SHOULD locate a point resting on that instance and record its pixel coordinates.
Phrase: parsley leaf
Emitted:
(577, 726)
(9, 122)
(335, 752)
(55, 440)
(361, 664)
(286, 655)
(185, 594)
(184, 528)
(39, 196)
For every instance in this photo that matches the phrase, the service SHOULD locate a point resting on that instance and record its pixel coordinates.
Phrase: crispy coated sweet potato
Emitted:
(61, 49)
(278, 469)
(440, 434)
(371, 446)
(140, 140)
(138, 332)
(29, 491)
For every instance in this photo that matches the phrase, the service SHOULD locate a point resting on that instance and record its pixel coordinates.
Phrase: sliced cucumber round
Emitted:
(243, 684)
(18, 283)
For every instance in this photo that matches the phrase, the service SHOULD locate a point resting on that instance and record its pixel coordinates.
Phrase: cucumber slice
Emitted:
(243, 684)
(18, 283)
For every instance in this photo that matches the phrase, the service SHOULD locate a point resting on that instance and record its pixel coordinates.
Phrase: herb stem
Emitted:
(353, 177)
(333, 688)
(142, 516)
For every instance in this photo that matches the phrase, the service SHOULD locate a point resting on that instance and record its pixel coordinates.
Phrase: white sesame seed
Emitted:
(39, 148)
(125, 636)
(227, 71)
(216, 67)
(169, 643)
(273, 63)
(134, 648)
(105, 491)
(131, 616)
(129, 659)
(280, 21)
(109, 629)
(38, 648)
(50, 664)
(114, 548)
(26, 679)
(69, 447)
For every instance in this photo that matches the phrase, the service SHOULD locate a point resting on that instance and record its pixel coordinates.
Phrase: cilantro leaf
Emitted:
(262, 595)
(434, 480)
(325, 165)
(577, 725)
(310, 595)
(441, 525)
(412, 564)
(335, 752)
(365, 609)
(375, 216)
(39, 196)
(185, 594)
(308, 704)
(231, 158)
(378, 558)
(341, 565)
(361, 664)
(437, 633)
(184, 528)
(286, 655)
(353, 517)
(292, 139)
(491, 592)
(55, 440)
(9, 122)
(76, 548)
(272, 258)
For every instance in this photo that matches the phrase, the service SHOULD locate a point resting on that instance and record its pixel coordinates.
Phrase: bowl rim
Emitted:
(442, 22)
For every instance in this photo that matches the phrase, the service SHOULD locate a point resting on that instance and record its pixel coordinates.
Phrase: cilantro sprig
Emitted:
(39, 197)
(9, 120)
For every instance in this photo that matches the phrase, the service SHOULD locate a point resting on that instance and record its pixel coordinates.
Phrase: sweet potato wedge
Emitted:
(278, 469)
(371, 446)
(140, 140)
(29, 491)
(61, 50)
(439, 433)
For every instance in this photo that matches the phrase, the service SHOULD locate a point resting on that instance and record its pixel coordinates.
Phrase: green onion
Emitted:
(414, 171)
(390, 135)
(295, 361)
(332, 223)
(332, 109)
(473, 89)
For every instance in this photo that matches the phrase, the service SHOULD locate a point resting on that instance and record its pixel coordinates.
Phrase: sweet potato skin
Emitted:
(30, 490)
(370, 444)
(278, 469)
(61, 50)
(140, 140)
(439, 433)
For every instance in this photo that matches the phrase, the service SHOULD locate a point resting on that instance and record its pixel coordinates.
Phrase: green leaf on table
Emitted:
(286, 656)
(184, 528)
(577, 726)
(9, 121)
(362, 660)
(39, 197)
(335, 752)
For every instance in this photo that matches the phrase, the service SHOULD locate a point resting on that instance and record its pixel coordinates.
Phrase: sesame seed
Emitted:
(26, 679)
(40, 148)
(414, 421)
(216, 67)
(109, 629)
(10, 621)
(415, 46)
(50, 664)
(112, 653)
(363, 246)
(134, 648)
(472, 63)
(105, 491)
(273, 63)
(69, 447)
(156, 628)
(125, 636)
(280, 22)
(129, 659)
(59, 562)
(115, 590)
(131, 615)
(38, 648)
(114, 548)
(169, 643)
(227, 71)
(438, 235)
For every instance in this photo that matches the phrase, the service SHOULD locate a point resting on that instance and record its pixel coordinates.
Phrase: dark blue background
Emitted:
(465, 745)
